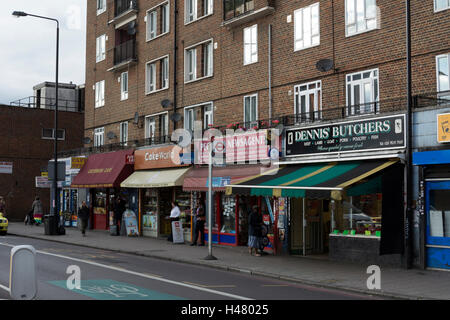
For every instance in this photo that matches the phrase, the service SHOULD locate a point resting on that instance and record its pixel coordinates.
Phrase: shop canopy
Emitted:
(104, 170)
(197, 178)
(155, 178)
(316, 181)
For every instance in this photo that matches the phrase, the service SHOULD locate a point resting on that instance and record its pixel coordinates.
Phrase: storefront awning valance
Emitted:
(155, 178)
(104, 170)
(319, 181)
(197, 178)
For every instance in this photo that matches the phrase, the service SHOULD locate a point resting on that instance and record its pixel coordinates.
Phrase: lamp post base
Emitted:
(210, 257)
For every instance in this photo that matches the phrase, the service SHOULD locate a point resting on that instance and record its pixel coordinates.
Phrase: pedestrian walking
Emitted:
(119, 209)
(83, 217)
(255, 222)
(35, 212)
(199, 227)
(174, 216)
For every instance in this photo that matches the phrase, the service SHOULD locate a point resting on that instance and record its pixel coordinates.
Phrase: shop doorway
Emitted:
(309, 232)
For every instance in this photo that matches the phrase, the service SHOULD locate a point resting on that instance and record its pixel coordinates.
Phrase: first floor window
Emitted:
(250, 110)
(189, 119)
(251, 44)
(307, 27)
(360, 16)
(124, 86)
(443, 75)
(441, 5)
(100, 48)
(99, 137)
(208, 116)
(157, 126)
(308, 102)
(124, 133)
(100, 94)
(362, 92)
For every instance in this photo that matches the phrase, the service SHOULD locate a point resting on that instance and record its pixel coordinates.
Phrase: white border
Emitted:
(147, 22)
(257, 107)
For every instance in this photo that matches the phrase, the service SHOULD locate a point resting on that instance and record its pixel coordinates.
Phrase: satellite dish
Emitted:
(324, 65)
(111, 135)
(175, 117)
(166, 103)
(132, 28)
(87, 140)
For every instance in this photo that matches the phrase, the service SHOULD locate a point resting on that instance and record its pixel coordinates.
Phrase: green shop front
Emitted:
(342, 186)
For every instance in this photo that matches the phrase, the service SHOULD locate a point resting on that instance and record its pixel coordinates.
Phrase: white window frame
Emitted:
(248, 122)
(53, 134)
(191, 16)
(250, 41)
(124, 133)
(100, 94)
(99, 137)
(438, 82)
(189, 118)
(207, 115)
(303, 30)
(151, 78)
(316, 109)
(153, 34)
(101, 9)
(151, 120)
(436, 9)
(165, 73)
(191, 75)
(375, 20)
(124, 86)
(362, 82)
(100, 48)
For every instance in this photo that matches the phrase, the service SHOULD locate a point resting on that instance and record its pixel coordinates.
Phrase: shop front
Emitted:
(342, 185)
(159, 177)
(101, 177)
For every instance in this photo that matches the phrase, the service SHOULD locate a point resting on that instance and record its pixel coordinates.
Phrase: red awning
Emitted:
(197, 179)
(104, 170)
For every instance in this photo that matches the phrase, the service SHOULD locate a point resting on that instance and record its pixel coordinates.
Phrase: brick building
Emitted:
(26, 146)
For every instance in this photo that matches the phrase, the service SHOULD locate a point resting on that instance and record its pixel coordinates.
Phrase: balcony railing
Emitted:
(48, 103)
(435, 99)
(125, 52)
(122, 6)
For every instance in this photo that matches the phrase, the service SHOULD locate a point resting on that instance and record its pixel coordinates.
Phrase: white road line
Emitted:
(229, 295)
(4, 288)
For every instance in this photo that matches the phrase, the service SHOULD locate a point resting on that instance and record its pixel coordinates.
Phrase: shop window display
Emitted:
(228, 216)
(150, 211)
(184, 203)
(439, 213)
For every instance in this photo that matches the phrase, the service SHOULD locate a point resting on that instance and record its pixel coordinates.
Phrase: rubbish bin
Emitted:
(51, 224)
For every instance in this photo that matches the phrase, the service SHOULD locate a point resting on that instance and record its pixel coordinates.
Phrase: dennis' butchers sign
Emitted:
(368, 134)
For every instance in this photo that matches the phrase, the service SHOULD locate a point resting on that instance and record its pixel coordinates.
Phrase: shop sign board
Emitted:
(77, 162)
(43, 182)
(239, 147)
(177, 232)
(379, 133)
(443, 128)
(218, 182)
(156, 158)
(129, 218)
(6, 167)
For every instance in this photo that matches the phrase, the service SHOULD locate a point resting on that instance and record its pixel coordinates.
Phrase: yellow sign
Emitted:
(44, 174)
(443, 127)
(77, 162)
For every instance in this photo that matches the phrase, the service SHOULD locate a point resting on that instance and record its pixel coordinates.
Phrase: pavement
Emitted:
(411, 284)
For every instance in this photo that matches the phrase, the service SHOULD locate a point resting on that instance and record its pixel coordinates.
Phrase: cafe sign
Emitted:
(352, 136)
(156, 158)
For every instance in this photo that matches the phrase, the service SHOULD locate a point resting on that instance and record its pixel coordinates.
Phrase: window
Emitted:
(100, 94)
(308, 102)
(250, 110)
(197, 113)
(307, 27)
(196, 9)
(124, 86)
(156, 83)
(440, 5)
(158, 21)
(251, 44)
(124, 133)
(99, 137)
(360, 16)
(101, 6)
(362, 92)
(205, 50)
(443, 75)
(100, 48)
(50, 134)
(157, 124)
(234, 8)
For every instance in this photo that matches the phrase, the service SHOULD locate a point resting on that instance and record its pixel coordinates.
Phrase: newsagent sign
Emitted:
(362, 135)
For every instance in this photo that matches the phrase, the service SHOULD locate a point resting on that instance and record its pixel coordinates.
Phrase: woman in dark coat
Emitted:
(255, 222)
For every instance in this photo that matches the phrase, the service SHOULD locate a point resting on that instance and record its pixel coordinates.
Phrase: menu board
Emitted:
(129, 217)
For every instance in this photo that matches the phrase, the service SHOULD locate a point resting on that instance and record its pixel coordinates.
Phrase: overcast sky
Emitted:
(28, 45)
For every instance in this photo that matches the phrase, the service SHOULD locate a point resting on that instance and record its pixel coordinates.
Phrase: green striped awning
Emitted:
(317, 181)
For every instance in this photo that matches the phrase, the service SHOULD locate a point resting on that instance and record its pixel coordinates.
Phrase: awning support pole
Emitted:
(304, 228)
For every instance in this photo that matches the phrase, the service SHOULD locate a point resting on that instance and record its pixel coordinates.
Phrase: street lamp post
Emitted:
(19, 14)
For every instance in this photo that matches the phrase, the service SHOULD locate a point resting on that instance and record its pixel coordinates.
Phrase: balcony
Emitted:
(238, 12)
(34, 102)
(125, 11)
(124, 55)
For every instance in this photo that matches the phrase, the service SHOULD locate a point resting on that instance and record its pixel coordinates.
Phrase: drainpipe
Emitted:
(175, 50)
(270, 70)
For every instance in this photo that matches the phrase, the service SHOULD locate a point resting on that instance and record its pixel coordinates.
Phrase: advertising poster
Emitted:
(130, 223)
(177, 231)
